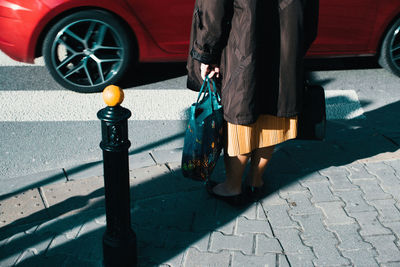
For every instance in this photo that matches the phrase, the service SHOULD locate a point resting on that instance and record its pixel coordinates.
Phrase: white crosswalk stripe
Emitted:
(144, 104)
(71, 106)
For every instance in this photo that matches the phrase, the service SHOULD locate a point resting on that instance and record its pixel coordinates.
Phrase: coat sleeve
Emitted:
(211, 23)
(311, 16)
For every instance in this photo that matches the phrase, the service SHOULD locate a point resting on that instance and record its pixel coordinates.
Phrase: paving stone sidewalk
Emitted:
(322, 209)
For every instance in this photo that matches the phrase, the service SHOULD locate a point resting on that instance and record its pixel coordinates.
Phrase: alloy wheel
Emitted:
(87, 53)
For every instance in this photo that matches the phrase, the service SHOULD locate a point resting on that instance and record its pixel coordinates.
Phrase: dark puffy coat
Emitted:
(259, 45)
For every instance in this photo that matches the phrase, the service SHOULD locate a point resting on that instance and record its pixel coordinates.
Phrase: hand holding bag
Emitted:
(203, 138)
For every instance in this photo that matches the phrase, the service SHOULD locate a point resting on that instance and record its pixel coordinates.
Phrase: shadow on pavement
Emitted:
(171, 213)
(59, 177)
(347, 63)
(148, 73)
(49, 180)
(142, 74)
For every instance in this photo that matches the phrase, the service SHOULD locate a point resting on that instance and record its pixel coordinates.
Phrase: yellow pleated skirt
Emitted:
(267, 131)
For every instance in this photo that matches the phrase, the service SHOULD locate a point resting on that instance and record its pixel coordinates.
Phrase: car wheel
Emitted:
(87, 51)
(390, 50)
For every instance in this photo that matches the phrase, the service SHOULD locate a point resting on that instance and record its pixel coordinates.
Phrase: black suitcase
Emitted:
(312, 120)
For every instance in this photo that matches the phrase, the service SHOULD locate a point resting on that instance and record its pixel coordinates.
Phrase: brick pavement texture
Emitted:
(338, 216)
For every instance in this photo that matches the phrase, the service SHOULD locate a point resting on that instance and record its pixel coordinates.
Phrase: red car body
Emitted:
(162, 28)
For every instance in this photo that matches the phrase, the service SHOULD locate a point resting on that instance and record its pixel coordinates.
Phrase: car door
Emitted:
(167, 21)
(345, 26)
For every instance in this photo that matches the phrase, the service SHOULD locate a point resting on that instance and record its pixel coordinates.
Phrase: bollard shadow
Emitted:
(172, 215)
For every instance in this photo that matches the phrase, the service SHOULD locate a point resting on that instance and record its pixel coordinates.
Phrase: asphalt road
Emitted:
(45, 127)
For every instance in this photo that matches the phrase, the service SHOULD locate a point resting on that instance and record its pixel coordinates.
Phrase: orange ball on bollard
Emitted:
(113, 95)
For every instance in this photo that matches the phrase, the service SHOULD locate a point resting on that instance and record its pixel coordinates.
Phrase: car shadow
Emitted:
(345, 63)
(143, 74)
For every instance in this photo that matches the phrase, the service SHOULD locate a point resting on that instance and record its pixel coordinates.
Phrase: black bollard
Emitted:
(119, 240)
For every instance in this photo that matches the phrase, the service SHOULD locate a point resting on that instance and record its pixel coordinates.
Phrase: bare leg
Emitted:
(259, 161)
(235, 167)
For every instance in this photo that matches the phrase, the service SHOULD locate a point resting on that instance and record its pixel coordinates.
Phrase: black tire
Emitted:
(390, 50)
(87, 50)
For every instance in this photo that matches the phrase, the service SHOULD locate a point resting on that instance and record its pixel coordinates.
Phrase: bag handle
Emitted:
(215, 98)
(202, 89)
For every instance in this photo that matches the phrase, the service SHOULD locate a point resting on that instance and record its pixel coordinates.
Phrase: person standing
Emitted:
(254, 49)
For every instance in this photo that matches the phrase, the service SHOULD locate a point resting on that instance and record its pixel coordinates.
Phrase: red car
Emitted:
(89, 44)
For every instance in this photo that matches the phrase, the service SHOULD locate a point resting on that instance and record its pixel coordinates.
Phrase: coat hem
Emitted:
(252, 119)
